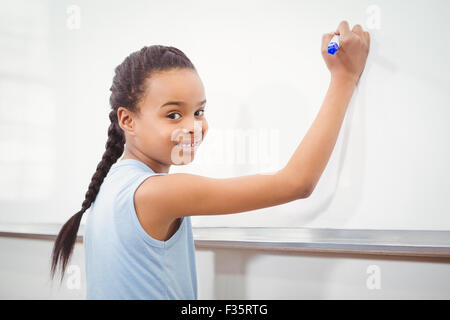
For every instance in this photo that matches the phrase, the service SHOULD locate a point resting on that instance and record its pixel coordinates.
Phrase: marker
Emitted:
(333, 46)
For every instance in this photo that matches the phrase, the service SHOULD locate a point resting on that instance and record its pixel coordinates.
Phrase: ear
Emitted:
(125, 120)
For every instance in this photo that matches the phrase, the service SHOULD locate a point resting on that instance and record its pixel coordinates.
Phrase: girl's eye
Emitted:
(202, 110)
(172, 115)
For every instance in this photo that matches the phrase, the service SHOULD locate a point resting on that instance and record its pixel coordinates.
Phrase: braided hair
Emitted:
(127, 90)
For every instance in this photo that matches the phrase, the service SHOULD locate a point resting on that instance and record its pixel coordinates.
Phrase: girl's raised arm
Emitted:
(181, 194)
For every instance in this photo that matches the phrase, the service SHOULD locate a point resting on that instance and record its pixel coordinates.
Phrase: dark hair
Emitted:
(127, 89)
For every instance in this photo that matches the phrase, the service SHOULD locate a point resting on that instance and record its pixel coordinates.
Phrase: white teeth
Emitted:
(189, 145)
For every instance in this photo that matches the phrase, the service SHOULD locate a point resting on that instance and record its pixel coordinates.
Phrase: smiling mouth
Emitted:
(191, 145)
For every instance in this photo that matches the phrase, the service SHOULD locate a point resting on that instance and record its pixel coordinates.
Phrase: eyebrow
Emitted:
(181, 103)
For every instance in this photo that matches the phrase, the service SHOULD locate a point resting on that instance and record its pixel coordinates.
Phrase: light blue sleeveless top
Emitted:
(122, 260)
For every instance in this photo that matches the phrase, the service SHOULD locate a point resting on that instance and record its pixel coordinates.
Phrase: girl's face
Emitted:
(171, 111)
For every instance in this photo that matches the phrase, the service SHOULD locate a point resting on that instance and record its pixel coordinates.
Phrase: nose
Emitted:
(195, 129)
(193, 134)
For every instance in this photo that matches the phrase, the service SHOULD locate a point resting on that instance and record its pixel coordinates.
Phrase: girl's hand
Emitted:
(349, 61)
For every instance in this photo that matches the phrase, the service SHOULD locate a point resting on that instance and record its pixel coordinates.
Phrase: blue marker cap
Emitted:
(333, 46)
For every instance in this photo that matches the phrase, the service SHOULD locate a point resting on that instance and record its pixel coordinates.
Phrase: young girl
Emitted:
(138, 239)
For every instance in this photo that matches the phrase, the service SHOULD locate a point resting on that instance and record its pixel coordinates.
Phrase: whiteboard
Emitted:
(265, 81)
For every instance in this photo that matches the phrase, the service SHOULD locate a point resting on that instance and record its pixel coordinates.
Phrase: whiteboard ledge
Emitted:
(427, 243)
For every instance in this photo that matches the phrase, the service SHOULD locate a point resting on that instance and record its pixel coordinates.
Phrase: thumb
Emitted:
(326, 38)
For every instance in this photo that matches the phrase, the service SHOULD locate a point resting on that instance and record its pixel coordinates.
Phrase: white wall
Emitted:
(241, 274)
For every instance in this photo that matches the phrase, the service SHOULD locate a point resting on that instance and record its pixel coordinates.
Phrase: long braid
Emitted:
(128, 86)
(114, 149)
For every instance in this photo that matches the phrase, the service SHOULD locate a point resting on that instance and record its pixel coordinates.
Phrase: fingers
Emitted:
(343, 29)
(358, 30)
(364, 35)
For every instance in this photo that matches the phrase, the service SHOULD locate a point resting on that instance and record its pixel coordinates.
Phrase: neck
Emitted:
(155, 165)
